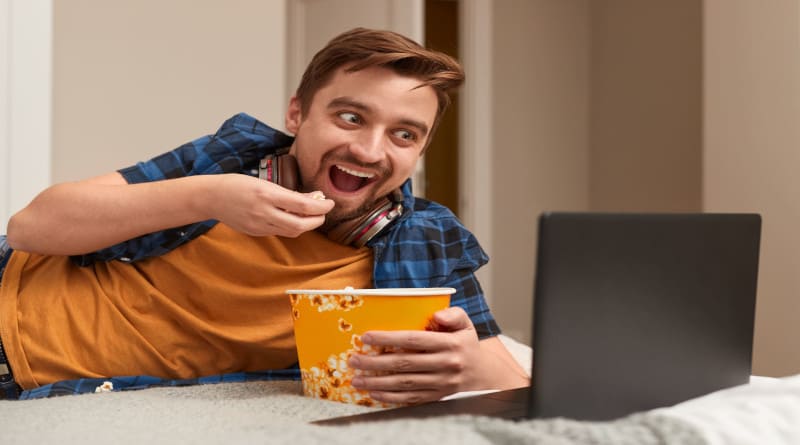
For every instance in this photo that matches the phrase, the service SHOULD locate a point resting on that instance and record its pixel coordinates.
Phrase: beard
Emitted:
(339, 214)
(337, 217)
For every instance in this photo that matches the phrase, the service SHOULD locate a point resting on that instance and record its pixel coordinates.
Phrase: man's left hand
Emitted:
(432, 364)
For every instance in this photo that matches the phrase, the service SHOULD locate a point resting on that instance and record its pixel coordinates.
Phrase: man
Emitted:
(174, 269)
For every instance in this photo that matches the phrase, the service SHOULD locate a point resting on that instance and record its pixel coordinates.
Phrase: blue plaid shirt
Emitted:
(426, 247)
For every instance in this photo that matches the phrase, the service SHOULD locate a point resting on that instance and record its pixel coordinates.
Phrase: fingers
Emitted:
(399, 382)
(407, 388)
(410, 377)
(288, 225)
(405, 362)
(390, 389)
(299, 213)
(425, 365)
(408, 340)
(407, 397)
(261, 208)
(451, 319)
(303, 204)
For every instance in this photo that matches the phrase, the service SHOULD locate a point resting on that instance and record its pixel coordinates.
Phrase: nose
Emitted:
(368, 147)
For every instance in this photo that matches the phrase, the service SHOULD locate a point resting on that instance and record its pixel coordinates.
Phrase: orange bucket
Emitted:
(328, 325)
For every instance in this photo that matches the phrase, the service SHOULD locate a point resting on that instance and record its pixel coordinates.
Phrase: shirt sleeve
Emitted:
(235, 148)
(431, 248)
(470, 297)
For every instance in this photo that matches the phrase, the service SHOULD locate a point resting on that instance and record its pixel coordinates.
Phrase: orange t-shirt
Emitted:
(212, 306)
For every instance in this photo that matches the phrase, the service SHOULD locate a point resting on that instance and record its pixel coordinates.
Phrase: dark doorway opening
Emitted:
(442, 157)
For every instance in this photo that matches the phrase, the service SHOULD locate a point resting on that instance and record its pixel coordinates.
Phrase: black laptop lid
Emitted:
(638, 311)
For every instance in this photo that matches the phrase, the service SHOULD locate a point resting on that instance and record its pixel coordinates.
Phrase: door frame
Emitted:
(475, 128)
(26, 30)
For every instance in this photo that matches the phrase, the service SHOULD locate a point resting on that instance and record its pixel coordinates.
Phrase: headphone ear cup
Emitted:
(358, 232)
(288, 172)
(281, 169)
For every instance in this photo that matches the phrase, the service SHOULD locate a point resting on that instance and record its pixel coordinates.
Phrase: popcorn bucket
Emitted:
(328, 325)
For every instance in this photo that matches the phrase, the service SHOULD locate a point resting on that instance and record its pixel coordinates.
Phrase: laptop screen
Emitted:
(637, 311)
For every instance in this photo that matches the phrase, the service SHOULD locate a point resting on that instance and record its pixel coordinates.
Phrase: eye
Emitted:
(405, 135)
(349, 117)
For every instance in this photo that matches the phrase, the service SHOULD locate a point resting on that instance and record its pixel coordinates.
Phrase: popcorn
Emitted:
(105, 387)
(344, 326)
(326, 303)
(331, 380)
(318, 195)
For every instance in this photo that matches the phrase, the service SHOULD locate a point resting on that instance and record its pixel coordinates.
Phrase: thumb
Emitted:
(450, 320)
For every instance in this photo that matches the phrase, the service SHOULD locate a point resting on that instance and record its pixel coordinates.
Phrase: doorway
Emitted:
(442, 156)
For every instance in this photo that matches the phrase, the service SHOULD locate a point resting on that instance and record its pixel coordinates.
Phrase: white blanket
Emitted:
(274, 412)
(767, 411)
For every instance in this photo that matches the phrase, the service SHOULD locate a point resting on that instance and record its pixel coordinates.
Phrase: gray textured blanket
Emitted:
(276, 412)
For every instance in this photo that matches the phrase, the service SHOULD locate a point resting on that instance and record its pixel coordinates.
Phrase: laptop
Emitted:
(631, 312)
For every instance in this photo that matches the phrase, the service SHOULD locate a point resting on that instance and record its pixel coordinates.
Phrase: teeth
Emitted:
(355, 173)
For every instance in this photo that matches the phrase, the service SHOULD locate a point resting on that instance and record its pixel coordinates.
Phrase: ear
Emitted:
(293, 115)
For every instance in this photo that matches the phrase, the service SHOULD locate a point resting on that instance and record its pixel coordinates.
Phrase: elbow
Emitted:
(15, 233)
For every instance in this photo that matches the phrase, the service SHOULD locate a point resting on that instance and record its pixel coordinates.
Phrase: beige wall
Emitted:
(646, 105)
(132, 79)
(597, 107)
(650, 106)
(540, 154)
(752, 154)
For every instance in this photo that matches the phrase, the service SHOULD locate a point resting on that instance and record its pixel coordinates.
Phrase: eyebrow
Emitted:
(352, 103)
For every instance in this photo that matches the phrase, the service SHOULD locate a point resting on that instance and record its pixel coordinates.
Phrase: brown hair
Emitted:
(363, 48)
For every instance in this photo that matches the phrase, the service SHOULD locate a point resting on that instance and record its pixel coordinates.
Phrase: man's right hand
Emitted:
(259, 208)
(74, 218)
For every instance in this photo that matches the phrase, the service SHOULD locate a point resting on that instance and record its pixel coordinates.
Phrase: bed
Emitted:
(766, 411)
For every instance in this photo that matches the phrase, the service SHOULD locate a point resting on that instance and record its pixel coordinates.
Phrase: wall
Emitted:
(597, 107)
(540, 138)
(649, 106)
(135, 79)
(752, 107)
(646, 105)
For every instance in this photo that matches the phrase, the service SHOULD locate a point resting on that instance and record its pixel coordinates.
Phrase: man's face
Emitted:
(361, 138)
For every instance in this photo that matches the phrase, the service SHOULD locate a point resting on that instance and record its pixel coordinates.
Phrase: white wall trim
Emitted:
(26, 77)
(408, 17)
(5, 109)
(475, 169)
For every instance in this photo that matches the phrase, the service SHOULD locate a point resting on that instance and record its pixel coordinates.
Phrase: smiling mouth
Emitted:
(349, 180)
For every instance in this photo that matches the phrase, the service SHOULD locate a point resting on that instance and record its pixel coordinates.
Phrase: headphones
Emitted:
(281, 168)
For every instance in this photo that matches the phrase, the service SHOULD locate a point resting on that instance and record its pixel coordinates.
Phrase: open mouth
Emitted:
(349, 180)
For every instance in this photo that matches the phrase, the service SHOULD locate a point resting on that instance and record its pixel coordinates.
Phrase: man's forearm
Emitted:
(80, 217)
(502, 370)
